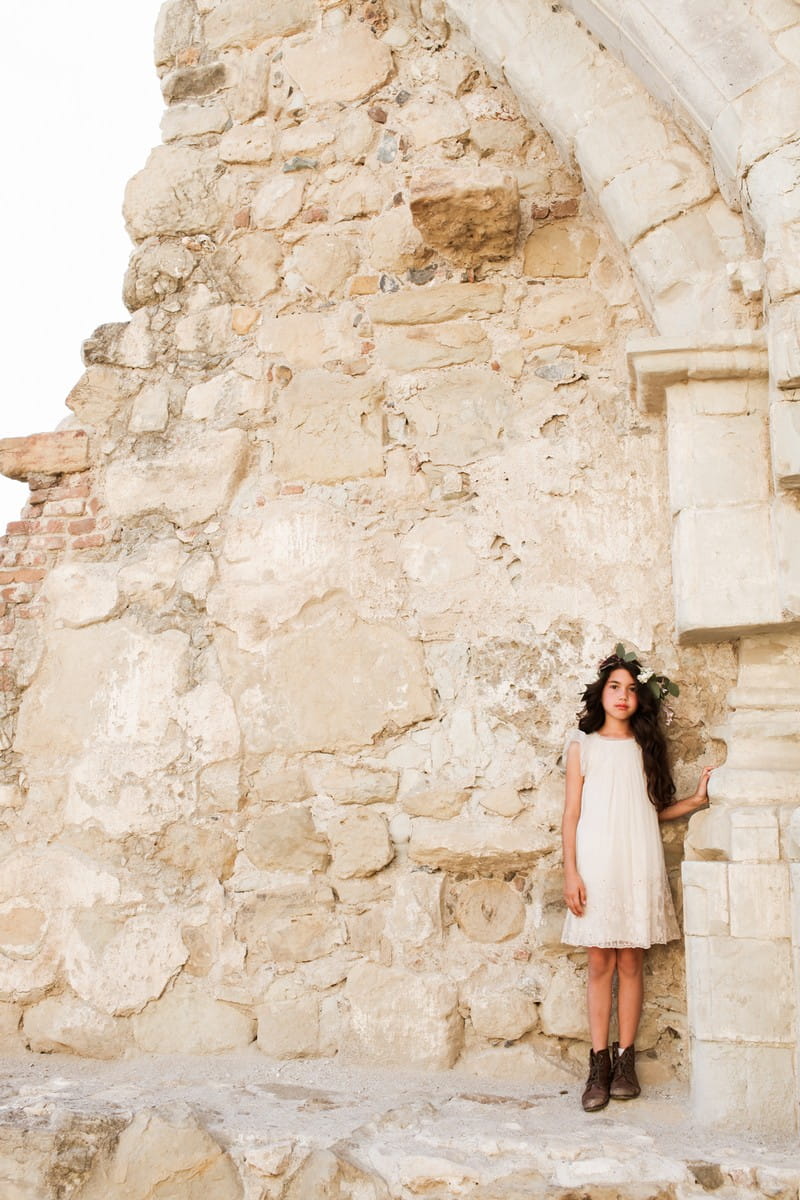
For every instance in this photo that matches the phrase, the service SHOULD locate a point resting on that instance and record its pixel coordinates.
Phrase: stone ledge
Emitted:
(241, 1124)
(656, 363)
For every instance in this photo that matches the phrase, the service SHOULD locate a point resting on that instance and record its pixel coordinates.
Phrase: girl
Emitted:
(619, 786)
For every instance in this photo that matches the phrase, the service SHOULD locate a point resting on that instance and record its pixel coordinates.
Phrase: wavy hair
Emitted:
(645, 726)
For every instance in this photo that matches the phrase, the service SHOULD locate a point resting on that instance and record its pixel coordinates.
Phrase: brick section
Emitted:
(61, 517)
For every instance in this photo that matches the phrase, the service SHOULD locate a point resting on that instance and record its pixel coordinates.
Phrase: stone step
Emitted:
(241, 1127)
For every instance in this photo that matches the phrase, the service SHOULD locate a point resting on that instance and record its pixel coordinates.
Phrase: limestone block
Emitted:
(784, 425)
(715, 460)
(65, 1025)
(329, 428)
(769, 114)
(250, 143)
(198, 850)
(732, 546)
(620, 137)
(149, 576)
(324, 262)
(175, 193)
(60, 453)
(156, 270)
(80, 594)
(504, 1015)
(287, 839)
(164, 1153)
(290, 927)
(560, 250)
(360, 194)
(650, 193)
(467, 215)
(563, 1011)
(179, 485)
(225, 397)
(572, 316)
(489, 845)
(706, 910)
(395, 244)
(118, 965)
(429, 122)
(438, 803)
(194, 82)
(193, 121)
(323, 1173)
(786, 519)
(503, 801)
(458, 417)
(754, 835)
(353, 785)
(709, 834)
(426, 346)
(439, 561)
(219, 788)
(343, 65)
(760, 906)
(740, 989)
(150, 409)
(247, 268)
(248, 22)
(278, 201)
(739, 1086)
(177, 26)
(415, 920)
(204, 335)
(784, 356)
(360, 844)
(249, 96)
(308, 339)
(489, 910)
(100, 394)
(441, 302)
(122, 343)
(279, 787)
(403, 1018)
(289, 1025)
(185, 1020)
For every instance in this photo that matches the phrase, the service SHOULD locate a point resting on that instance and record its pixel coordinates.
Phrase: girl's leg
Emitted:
(630, 963)
(602, 963)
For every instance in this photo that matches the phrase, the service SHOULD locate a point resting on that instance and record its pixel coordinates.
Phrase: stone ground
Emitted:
(288, 1128)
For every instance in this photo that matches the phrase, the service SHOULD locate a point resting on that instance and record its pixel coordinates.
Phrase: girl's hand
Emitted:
(575, 894)
(701, 791)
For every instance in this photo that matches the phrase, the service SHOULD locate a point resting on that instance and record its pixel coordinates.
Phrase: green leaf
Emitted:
(655, 687)
(619, 650)
(673, 689)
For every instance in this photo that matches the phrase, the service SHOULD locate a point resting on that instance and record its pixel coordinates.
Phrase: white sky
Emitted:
(82, 108)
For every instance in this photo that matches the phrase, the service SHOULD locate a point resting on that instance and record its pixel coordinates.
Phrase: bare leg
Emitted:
(602, 963)
(629, 994)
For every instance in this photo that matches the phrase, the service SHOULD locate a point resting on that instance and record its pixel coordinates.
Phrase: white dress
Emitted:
(620, 855)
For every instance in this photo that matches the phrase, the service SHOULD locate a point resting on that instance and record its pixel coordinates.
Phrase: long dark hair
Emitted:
(645, 726)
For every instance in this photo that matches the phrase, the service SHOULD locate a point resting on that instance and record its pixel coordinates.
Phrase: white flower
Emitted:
(644, 675)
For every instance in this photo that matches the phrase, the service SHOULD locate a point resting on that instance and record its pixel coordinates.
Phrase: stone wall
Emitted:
(375, 495)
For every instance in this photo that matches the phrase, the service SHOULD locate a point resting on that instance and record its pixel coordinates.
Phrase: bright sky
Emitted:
(83, 106)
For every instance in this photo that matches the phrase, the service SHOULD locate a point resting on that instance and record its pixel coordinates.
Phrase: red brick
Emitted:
(54, 453)
(93, 506)
(292, 489)
(52, 525)
(7, 625)
(84, 525)
(89, 541)
(7, 682)
(47, 542)
(64, 508)
(21, 527)
(17, 593)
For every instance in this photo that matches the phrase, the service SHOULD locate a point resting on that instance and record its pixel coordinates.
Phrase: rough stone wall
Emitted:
(375, 496)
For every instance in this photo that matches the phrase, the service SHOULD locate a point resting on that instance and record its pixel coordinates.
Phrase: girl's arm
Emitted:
(682, 808)
(574, 890)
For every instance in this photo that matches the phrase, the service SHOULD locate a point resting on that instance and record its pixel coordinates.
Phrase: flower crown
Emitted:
(660, 685)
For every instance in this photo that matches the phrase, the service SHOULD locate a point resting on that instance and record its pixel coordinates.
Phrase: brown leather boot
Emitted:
(596, 1093)
(624, 1084)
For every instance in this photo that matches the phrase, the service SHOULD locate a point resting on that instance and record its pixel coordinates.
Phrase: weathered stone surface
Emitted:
(279, 787)
(290, 927)
(329, 428)
(439, 804)
(100, 394)
(563, 1011)
(289, 1023)
(119, 965)
(324, 262)
(506, 1015)
(175, 193)
(307, 339)
(122, 343)
(44, 454)
(403, 1018)
(561, 250)
(155, 271)
(185, 1020)
(65, 1025)
(150, 408)
(278, 201)
(467, 216)
(226, 397)
(179, 485)
(354, 785)
(503, 801)
(247, 22)
(287, 839)
(395, 243)
(247, 268)
(361, 845)
(164, 1154)
(575, 317)
(443, 302)
(425, 346)
(489, 910)
(193, 121)
(463, 845)
(204, 335)
(459, 416)
(299, 698)
(247, 144)
(81, 594)
(340, 65)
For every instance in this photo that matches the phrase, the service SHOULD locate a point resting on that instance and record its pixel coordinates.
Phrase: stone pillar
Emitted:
(742, 903)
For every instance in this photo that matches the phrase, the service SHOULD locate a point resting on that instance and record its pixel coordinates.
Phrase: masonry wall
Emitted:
(370, 496)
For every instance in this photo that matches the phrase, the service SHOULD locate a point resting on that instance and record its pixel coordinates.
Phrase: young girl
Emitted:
(619, 786)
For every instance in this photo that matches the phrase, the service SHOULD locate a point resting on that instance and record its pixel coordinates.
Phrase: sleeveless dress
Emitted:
(620, 855)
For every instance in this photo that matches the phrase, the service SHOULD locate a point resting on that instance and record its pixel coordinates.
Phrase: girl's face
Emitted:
(619, 698)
